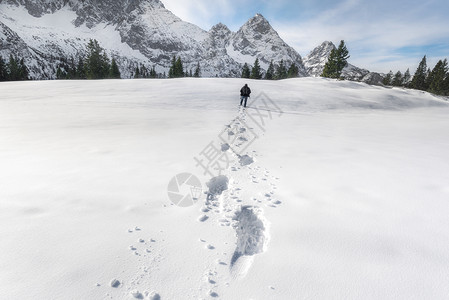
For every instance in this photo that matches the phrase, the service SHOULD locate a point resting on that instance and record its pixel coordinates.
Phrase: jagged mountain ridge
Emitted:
(141, 31)
(134, 32)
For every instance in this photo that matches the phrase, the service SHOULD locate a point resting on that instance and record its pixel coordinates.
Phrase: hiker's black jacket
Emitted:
(245, 91)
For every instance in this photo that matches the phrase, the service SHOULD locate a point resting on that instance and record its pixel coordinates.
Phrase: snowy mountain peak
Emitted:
(259, 24)
(259, 17)
(257, 38)
(220, 27)
(322, 50)
(317, 58)
(327, 44)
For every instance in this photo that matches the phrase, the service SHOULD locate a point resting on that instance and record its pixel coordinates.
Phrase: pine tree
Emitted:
(419, 79)
(446, 85)
(171, 72)
(337, 61)
(197, 73)
(153, 73)
(330, 68)
(114, 72)
(388, 78)
(429, 79)
(137, 73)
(293, 71)
(406, 79)
(270, 72)
(3, 70)
(342, 57)
(397, 79)
(281, 71)
(176, 69)
(71, 69)
(246, 73)
(179, 69)
(438, 75)
(97, 62)
(60, 74)
(255, 71)
(24, 73)
(14, 72)
(80, 70)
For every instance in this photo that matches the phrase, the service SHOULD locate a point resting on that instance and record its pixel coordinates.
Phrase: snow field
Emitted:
(342, 196)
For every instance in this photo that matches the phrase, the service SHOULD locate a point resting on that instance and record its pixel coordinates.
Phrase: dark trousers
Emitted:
(243, 98)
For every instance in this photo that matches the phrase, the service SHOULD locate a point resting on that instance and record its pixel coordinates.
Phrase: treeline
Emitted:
(435, 81)
(144, 72)
(95, 65)
(177, 69)
(13, 70)
(280, 72)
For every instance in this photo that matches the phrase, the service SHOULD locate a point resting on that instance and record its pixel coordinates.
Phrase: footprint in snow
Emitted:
(225, 147)
(245, 160)
(136, 294)
(203, 218)
(213, 294)
(115, 283)
(252, 239)
(217, 185)
(154, 296)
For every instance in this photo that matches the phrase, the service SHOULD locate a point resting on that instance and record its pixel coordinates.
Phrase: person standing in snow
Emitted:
(244, 94)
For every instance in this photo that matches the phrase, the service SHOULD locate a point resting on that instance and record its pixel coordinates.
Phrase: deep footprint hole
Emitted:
(251, 231)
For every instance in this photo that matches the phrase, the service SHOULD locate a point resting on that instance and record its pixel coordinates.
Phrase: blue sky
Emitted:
(380, 34)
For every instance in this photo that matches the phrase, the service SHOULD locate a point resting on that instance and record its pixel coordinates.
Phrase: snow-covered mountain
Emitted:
(314, 63)
(133, 32)
(258, 39)
(44, 32)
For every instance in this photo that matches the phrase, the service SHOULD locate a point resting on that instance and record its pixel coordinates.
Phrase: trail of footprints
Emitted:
(229, 205)
(145, 250)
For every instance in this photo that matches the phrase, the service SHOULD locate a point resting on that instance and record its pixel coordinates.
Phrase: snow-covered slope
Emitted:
(314, 63)
(330, 199)
(134, 32)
